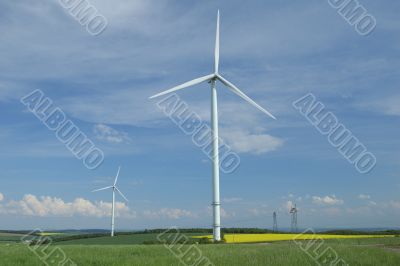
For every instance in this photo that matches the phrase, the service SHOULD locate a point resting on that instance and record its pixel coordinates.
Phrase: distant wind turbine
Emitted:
(212, 79)
(114, 188)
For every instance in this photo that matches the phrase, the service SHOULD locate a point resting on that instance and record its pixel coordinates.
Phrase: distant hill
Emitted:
(80, 231)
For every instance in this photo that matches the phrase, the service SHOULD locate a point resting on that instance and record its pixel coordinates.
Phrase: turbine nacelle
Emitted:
(216, 77)
(114, 186)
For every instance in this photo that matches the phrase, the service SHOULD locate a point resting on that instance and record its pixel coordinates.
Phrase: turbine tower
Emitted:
(293, 212)
(275, 225)
(114, 188)
(212, 79)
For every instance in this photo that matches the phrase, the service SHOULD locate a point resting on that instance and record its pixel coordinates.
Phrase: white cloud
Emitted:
(168, 213)
(224, 213)
(289, 205)
(395, 204)
(1, 197)
(365, 210)
(46, 206)
(227, 214)
(386, 105)
(262, 210)
(364, 197)
(332, 211)
(231, 200)
(327, 200)
(242, 141)
(299, 199)
(108, 134)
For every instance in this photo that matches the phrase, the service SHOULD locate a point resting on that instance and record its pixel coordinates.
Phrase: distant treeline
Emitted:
(357, 232)
(264, 231)
(51, 239)
(203, 231)
(20, 232)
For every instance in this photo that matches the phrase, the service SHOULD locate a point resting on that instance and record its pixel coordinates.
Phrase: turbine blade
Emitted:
(217, 46)
(104, 188)
(243, 96)
(121, 194)
(185, 85)
(116, 177)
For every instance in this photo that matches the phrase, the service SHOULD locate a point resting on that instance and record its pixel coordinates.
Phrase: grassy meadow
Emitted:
(9, 237)
(135, 239)
(130, 250)
(371, 252)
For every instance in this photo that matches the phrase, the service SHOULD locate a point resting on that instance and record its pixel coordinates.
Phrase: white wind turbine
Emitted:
(212, 79)
(114, 188)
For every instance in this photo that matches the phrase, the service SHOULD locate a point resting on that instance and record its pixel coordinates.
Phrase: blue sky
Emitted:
(275, 52)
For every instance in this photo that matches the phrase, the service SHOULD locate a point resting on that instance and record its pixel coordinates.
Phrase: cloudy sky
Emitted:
(273, 50)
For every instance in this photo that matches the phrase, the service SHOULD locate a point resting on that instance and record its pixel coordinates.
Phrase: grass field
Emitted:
(372, 251)
(118, 240)
(9, 237)
(128, 250)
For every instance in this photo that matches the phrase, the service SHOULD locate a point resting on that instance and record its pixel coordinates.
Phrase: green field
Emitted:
(122, 250)
(9, 237)
(118, 240)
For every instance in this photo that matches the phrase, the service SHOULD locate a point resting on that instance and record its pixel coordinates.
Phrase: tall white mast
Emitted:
(113, 212)
(213, 78)
(215, 157)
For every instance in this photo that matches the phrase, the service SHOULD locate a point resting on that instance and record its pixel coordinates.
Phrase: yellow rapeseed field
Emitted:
(49, 234)
(254, 238)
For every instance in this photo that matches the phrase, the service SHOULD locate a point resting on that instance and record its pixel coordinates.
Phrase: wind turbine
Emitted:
(212, 79)
(114, 188)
